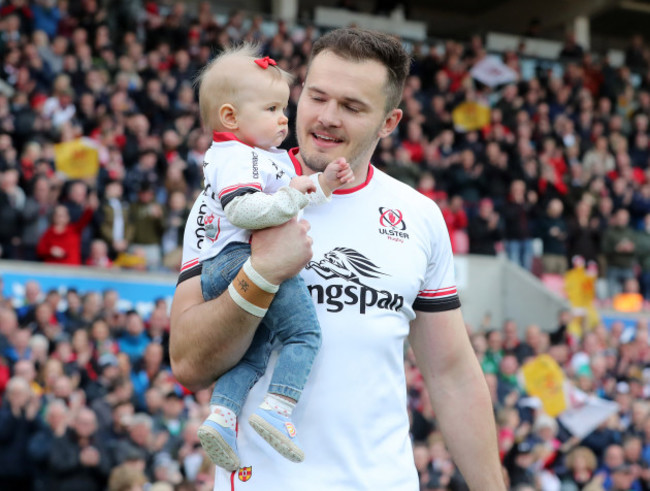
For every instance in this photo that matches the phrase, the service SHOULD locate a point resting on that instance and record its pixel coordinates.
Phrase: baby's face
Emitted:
(261, 117)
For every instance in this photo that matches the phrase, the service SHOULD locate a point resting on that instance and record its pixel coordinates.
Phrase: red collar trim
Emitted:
(293, 155)
(223, 136)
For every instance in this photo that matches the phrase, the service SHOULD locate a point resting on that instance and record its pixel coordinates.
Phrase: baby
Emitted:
(250, 184)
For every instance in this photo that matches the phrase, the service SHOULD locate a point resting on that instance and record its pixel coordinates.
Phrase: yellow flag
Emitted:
(77, 159)
(544, 379)
(470, 116)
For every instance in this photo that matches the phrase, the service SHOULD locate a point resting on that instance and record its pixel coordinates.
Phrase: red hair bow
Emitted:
(265, 62)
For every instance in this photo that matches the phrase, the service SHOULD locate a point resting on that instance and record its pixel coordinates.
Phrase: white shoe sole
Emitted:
(221, 454)
(276, 439)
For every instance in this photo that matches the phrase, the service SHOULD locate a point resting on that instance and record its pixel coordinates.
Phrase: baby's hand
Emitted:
(303, 184)
(336, 174)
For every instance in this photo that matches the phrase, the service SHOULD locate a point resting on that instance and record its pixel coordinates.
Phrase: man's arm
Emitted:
(459, 395)
(208, 338)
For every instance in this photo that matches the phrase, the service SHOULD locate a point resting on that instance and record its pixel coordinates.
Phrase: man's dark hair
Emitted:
(358, 45)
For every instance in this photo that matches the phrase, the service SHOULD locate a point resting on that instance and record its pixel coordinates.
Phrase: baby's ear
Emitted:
(228, 116)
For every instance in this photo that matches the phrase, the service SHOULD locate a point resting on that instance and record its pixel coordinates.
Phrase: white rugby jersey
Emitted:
(381, 251)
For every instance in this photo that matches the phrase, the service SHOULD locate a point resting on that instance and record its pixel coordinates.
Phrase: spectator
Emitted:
(113, 218)
(583, 233)
(12, 200)
(99, 255)
(484, 230)
(78, 459)
(554, 234)
(17, 425)
(580, 464)
(619, 247)
(35, 218)
(61, 242)
(126, 478)
(148, 222)
(635, 55)
(134, 341)
(141, 443)
(172, 239)
(40, 444)
(517, 227)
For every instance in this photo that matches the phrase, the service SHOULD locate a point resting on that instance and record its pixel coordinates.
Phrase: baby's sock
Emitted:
(278, 404)
(224, 416)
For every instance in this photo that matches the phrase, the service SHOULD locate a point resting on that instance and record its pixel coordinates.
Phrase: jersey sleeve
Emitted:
(317, 197)
(439, 292)
(261, 210)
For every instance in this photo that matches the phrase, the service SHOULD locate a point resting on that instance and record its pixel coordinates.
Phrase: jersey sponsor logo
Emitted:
(344, 263)
(245, 473)
(200, 222)
(392, 224)
(256, 169)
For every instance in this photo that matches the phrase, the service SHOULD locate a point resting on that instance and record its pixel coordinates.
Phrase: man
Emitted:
(382, 258)
(78, 459)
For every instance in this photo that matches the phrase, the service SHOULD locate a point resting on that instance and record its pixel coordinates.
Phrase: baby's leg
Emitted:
(292, 319)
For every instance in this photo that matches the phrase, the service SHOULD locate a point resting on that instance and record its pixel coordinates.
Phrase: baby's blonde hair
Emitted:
(225, 84)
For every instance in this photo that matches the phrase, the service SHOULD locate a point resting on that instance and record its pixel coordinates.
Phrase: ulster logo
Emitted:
(245, 473)
(392, 224)
(343, 263)
(212, 229)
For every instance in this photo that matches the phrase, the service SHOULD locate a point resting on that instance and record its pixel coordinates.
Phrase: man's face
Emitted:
(342, 112)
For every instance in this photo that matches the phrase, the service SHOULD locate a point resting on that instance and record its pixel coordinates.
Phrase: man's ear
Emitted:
(390, 123)
(228, 117)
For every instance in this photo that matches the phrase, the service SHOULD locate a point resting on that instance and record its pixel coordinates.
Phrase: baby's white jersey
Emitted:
(381, 252)
(233, 169)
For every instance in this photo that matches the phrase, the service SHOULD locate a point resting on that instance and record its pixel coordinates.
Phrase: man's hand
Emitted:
(89, 457)
(279, 253)
(303, 184)
(337, 173)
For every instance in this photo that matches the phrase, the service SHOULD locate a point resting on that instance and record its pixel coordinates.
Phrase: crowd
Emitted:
(89, 400)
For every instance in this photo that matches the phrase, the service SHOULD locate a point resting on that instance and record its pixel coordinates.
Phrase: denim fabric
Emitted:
(520, 252)
(291, 319)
